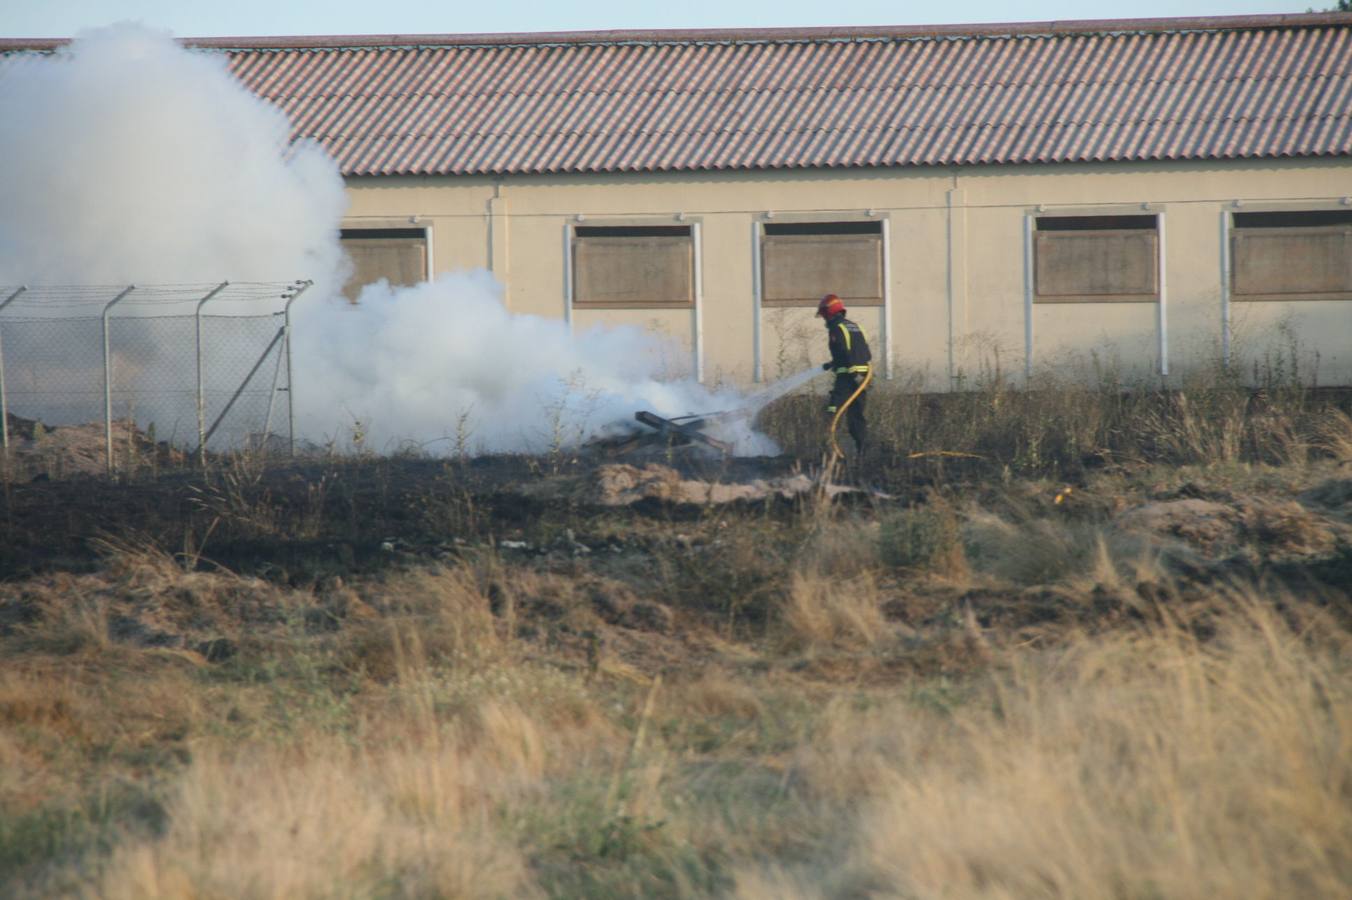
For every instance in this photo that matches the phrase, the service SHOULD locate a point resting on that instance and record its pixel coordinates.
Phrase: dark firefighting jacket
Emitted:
(849, 347)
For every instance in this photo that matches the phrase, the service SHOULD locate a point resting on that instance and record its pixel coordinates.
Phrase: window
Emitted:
(801, 262)
(628, 267)
(1096, 259)
(1291, 256)
(398, 255)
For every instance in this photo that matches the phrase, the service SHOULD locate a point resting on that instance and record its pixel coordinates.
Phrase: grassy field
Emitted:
(1061, 643)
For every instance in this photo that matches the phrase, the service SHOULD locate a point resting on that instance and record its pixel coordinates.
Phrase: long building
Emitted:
(1146, 197)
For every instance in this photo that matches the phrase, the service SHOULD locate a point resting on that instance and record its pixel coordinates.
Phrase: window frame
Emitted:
(1287, 221)
(580, 232)
(1111, 224)
(822, 227)
(381, 229)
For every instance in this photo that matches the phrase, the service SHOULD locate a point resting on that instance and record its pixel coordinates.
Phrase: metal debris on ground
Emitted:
(681, 431)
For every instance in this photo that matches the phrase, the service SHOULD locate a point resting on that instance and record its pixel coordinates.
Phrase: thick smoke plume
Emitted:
(445, 365)
(130, 159)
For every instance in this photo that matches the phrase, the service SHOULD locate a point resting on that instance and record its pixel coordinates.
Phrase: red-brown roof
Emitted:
(1171, 89)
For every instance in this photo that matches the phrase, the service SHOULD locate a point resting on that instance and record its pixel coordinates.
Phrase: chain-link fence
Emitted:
(181, 370)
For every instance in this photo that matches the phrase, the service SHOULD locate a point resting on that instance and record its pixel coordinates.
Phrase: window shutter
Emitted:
(634, 271)
(400, 260)
(1310, 263)
(1096, 265)
(800, 268)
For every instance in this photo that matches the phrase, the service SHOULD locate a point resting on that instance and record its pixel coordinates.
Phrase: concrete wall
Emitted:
(956, 242)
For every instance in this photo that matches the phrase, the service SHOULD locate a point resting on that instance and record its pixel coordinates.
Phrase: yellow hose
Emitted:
(835, 420)
(954, 453)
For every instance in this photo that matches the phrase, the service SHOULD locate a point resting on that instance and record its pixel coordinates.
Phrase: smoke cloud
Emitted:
(130, 159)
(445, 365)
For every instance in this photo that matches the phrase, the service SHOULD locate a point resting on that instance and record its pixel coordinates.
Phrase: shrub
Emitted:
(831, 613)
(923, 537)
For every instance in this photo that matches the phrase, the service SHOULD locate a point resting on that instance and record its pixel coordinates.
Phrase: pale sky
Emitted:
(65, 18)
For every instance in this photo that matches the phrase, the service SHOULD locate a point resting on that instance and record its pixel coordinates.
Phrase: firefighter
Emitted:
(850, 358)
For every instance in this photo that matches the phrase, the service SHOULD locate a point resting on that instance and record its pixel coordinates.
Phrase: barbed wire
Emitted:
(132, 295)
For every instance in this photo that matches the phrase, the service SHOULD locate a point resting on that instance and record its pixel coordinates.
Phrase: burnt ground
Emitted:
(295, 521)
(948, 540)
(305, 519)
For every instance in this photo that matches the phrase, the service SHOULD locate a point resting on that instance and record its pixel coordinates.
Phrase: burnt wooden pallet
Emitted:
(679, 432)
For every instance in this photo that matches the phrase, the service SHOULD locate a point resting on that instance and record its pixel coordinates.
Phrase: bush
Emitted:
(923, 537)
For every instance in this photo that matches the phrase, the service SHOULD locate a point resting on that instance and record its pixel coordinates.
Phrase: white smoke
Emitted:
(129, 159)
(444, 365)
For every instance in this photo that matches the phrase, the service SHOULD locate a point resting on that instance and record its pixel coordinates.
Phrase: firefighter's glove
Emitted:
(826, 366)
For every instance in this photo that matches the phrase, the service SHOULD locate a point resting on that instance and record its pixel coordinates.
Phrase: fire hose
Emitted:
(835, 420)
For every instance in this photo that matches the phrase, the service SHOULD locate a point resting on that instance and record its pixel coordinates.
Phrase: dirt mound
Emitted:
(621, 485)
(62, 451)
(1269, 529)
(1204, 524)
(145, 604)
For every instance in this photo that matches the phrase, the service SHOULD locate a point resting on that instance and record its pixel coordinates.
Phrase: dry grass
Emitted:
(990, 688)
(1149, 762)
(1145, 765)
(408, 814)
(829, 613)
(926, 538)
(1199, 756)
(439, 615)
(1060, 427)
(1335, 436)
(1036, 551)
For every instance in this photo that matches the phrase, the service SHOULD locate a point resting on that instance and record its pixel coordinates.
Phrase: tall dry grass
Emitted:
(405, 813)
(1145, 765)
(824, 613)
(1059, 426)
(454, 738)
(1335, 436)
(1204, 757)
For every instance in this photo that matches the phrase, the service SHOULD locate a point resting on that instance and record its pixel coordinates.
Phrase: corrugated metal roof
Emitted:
(1276, 86)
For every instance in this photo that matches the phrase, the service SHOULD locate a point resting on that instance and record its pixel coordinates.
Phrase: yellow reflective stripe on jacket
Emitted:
(852, 370)
(845, 331)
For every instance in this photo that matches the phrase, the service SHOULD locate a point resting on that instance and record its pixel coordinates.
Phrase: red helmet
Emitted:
(830, 307)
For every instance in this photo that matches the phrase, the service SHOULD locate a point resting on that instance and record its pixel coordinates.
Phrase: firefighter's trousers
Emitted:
(846, 384)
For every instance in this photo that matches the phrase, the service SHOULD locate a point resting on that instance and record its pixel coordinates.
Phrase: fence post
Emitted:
(301, 287)
(4, 398)
(272, 395)
(201, 390)
(108, 378)
(1029, 289)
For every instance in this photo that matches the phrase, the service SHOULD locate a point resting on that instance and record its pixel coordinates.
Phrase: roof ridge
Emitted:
(1234, 87)
(816, 34)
